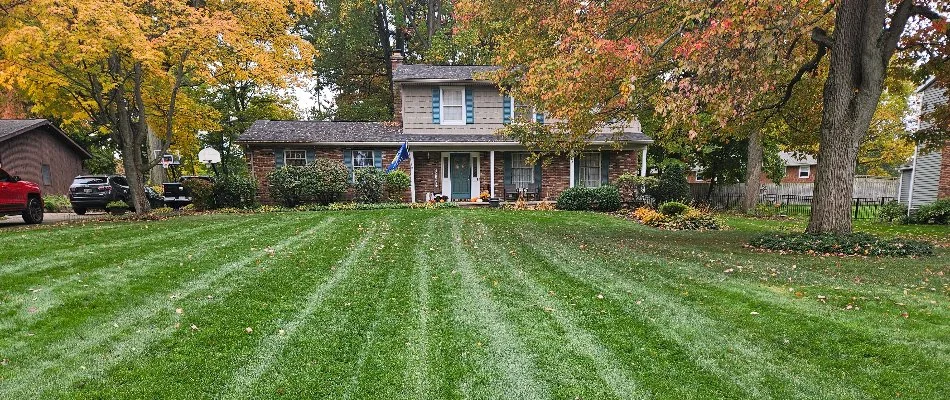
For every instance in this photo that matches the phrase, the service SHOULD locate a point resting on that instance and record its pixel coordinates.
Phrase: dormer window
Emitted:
(453, 105)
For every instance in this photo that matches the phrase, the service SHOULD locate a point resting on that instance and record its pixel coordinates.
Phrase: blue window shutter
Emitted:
(311, 156)
(436, 103)
(604, 167)
(539, 118)
(506, 109)
(378, 159)
(469, 105)
(279, 157)
(577, 171)
(537, 173)
(348, 161)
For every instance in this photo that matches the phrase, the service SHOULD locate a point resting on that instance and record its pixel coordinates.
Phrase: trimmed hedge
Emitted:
(368, 185)
(604, 198)
(322, 182)
(202, 194)
(672, 186)
(235, 191)
(672, 208)
(857, 244)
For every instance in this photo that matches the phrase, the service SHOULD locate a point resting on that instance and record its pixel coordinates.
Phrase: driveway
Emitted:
(49, 218)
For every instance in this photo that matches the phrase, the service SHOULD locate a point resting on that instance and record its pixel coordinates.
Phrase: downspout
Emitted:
(491, 169)
(412, 176)
(643, 162)
(910, 187)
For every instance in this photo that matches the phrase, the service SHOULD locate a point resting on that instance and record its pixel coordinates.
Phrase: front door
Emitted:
(461, 176)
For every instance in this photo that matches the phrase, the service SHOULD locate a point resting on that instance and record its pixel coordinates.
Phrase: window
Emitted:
(118, 180)
(295, 157)
(362, 159)
(522, 173)
(453, 105)
(589, 170)
(47, 179)
(804, 171)
(445, 167)
(522, 112)
(700, 175)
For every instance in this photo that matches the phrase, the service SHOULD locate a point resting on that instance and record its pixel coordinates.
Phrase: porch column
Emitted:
(491, 172)
(571, 157)
(412, 176)
(643, 162)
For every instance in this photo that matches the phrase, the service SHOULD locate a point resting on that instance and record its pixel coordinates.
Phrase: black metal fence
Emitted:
(793, 205)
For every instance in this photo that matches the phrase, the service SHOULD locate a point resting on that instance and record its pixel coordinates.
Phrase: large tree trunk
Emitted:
(851, 95)
(155, 149)
(753, 174)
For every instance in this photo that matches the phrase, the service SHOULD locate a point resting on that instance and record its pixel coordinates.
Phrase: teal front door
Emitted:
(461, 176)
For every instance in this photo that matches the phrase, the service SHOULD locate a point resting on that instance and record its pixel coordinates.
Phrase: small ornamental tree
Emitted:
(368, 185)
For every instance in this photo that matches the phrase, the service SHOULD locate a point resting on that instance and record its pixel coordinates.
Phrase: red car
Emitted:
(20, 198)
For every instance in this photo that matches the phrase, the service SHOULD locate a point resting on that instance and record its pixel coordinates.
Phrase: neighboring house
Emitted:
(449, 118)
(927, 177)
(798, 169)
(38, 151)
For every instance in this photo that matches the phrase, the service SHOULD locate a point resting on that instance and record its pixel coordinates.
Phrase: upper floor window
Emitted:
(453, 105)
(523, 112)
(295, 157)
(804, 171)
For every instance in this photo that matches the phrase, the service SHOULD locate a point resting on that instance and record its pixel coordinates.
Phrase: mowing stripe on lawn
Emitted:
(719, 349)
(128, 319)
(506, 350)
(419, 373)
(65, 256)
(581, 340)
(110, 277)
(272, 346)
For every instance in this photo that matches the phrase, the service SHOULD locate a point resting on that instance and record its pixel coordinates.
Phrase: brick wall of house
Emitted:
(555, 170)
(260, 162)
(943, 185)
(555, 176)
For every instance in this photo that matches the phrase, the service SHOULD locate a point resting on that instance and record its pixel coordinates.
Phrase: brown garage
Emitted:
(38, 151)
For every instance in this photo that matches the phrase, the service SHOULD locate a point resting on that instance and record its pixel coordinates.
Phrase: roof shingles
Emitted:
(373, 132)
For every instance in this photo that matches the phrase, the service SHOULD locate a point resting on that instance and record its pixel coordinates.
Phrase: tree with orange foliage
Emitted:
(709, 68)
(125, 66)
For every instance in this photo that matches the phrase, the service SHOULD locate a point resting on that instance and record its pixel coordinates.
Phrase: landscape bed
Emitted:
(460, 303)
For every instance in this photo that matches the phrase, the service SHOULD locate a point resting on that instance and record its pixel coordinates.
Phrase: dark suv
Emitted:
(95, 191)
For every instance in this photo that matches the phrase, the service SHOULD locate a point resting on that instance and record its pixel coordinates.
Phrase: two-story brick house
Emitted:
(449, 118)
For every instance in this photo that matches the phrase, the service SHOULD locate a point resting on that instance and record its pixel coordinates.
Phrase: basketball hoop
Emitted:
(167, 160)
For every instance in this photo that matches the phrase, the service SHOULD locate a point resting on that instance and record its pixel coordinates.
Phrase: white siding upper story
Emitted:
(922, 181)
(488, 111)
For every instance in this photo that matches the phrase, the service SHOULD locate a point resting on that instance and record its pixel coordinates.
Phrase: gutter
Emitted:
(428, 144)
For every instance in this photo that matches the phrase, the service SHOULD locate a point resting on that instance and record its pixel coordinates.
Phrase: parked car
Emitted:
(176, 195)
(95, 191)
(20, 198)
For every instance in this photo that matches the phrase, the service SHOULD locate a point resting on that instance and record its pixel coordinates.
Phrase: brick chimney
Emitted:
(395, 61)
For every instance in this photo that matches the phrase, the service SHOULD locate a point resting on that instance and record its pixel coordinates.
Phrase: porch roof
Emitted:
(384, 133)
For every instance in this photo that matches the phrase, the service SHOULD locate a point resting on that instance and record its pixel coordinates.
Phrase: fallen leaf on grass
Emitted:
(194, 327)
(753, 313)
(600, 296)
(248, 330)
(179, 311)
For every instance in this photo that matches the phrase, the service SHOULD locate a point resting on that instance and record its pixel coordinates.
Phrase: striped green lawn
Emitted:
(458, 304)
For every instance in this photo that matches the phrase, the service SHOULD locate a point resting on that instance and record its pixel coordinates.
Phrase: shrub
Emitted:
(576, 199)
(202, 193)
(235, 191)
(368, 185)
(672, 208)
(936, 213)
(633, 187)
(396, 185)
(672, 186)
(606, 198)
(892, 211)
(688, 219)
(322, 182)
(56, 203)
(862, 244)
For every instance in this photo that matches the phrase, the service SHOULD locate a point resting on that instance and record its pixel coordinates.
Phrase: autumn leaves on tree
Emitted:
(132, 67)
(728, 69)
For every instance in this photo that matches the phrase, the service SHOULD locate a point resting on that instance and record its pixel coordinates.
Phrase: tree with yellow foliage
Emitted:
(128, 67)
